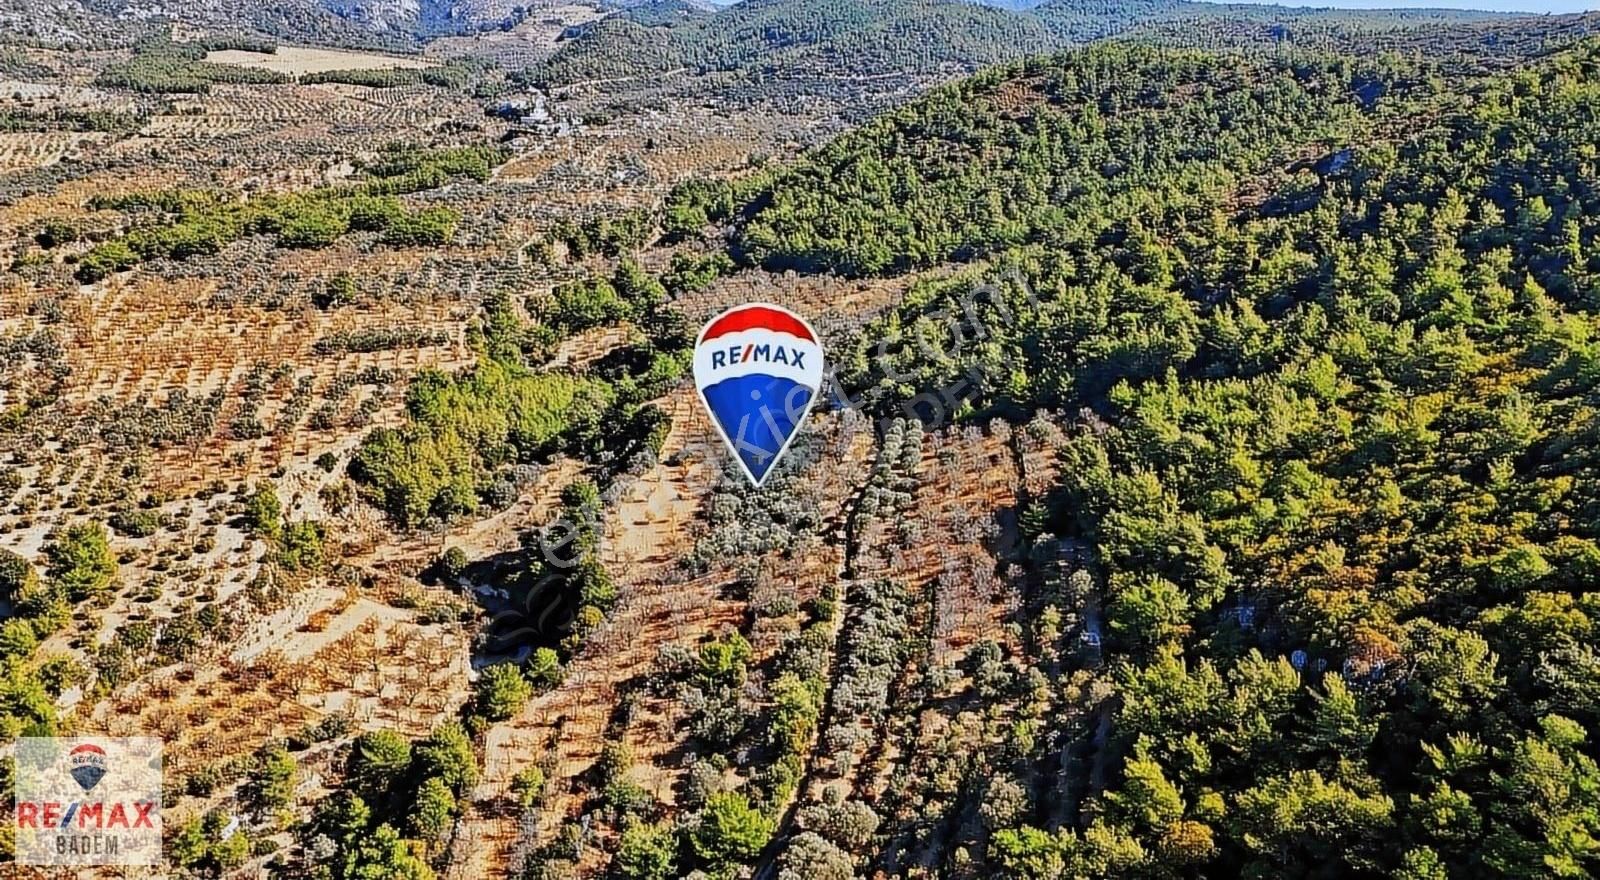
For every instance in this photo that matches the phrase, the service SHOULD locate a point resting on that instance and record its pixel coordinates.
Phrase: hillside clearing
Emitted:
(297, 60)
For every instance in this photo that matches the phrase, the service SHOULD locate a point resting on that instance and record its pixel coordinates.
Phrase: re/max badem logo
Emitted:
(88, 801)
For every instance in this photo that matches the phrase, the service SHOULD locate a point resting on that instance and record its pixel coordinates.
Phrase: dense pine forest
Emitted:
(768, 41)
(1321, 335)
(787, 36)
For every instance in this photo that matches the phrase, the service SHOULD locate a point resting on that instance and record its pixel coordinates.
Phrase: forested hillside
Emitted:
(1085, 20)
(1312, 592)
(1014, 155)
(119, 22)
(844, 40)
(1457, 41)
(869, 36)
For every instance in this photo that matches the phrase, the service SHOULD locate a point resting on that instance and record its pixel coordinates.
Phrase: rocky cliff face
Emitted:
(426, 18)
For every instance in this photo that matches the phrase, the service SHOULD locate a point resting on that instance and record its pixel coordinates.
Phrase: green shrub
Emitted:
(377, 760)
(502, 690)
(137, 523)
(647, 852)
(80, 560)
(17, 577)
(731, 831)
(528, 786)
(429, 226)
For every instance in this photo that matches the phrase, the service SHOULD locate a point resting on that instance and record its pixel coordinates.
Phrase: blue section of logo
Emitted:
(758, 414)
(88, 775)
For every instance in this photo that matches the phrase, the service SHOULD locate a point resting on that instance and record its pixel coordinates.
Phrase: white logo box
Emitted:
(88, 800)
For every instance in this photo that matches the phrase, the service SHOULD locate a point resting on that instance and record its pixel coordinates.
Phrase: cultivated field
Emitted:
(298, 60)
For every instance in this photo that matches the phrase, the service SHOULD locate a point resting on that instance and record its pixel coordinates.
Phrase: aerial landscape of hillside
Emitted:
(1200, 484)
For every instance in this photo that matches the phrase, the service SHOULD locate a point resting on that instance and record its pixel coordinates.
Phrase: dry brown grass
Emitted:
(300, 60)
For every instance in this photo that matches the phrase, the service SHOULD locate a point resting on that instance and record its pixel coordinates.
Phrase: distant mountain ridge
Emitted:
(368, 23)
(423, 19)
(876, 37)
(98, 23)
(841, 39)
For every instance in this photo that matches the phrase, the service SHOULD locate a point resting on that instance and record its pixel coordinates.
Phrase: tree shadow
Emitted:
(527, 604)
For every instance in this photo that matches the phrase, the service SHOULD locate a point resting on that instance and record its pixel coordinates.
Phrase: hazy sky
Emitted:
(1499, 5)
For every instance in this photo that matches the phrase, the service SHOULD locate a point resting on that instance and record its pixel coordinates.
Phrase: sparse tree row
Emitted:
(751, 702)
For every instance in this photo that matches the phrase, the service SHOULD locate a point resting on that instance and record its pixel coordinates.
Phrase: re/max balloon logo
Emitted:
(758, 369)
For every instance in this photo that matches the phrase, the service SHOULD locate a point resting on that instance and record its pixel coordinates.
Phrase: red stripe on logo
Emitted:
(754, 318)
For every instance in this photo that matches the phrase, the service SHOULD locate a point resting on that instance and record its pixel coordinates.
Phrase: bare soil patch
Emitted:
(296, 60)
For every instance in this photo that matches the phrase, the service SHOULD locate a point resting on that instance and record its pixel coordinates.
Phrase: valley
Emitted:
(1201, 485)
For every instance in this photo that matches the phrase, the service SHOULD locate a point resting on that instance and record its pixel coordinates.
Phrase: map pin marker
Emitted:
(758, 368)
